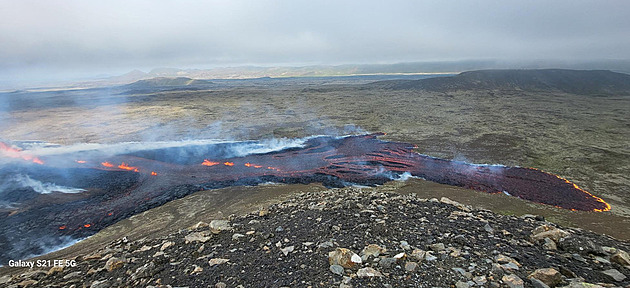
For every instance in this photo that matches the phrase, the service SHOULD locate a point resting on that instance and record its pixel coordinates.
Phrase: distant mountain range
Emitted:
(437, 67)
(569, 81)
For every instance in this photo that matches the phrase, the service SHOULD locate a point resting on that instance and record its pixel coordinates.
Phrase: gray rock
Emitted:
(145, 271)
(72, 275)
(513, 281)
(343, 257)
(5, 279)
(613, 275)
(509, 266)
(537, 283)
(437, 247)
(549, 276)
(480, 280)
(579, 284)
(418, 254)
(621, 258)
(220, 285)
(488, 228)
(219, 225)
(496, 270)
(197, 237)
(336, 269)
(566, 272)
(387, 262)
(579, 244)
(547, 231)
(461, 284)
(368, 272)
(237, 236)
(100, 284)
(549, 244)
(287, 250)
(372, 250)
(430, 257)
(411, 266)
(217, 261)
(114, 263)
(602, 260)
(326, 244)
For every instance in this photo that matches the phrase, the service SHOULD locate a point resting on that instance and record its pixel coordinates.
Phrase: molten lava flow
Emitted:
(332, 161)
(153, 173)
(107, 164)
(207, 162)
(124, 166)
(80, 161)
(606, 206)
(10, 152)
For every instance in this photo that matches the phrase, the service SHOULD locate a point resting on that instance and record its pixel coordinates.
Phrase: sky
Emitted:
(49, 38)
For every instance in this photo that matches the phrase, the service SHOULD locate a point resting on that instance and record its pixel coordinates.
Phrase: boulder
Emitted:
(343, 257)
(549, 276)
(368, 272)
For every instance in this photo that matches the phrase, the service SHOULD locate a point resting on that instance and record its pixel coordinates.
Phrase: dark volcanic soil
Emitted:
(414, 242)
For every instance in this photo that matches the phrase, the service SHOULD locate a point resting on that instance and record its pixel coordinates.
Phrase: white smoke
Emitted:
(242, 148)
(41, 187)
(406, 176)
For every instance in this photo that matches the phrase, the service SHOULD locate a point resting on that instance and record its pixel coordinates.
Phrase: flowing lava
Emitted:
(207, 162)
(10, 152)
(107, 164)
(117, 192)
(124, 166)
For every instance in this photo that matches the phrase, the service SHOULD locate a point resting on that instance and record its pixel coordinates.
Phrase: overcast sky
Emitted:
(94, 37)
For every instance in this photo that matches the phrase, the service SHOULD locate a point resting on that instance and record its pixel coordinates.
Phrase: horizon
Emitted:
(271, 71)
(56, 41)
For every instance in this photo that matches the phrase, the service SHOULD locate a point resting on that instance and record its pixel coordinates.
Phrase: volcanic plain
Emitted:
(581, 135)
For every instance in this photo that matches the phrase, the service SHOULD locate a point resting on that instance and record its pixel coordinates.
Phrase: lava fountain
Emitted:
(117, 187)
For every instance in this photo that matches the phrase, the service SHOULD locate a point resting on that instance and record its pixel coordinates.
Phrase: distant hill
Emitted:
(569, 81)
(167, 81)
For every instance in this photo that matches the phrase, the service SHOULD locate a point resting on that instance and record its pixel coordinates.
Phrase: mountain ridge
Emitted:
(563, 80)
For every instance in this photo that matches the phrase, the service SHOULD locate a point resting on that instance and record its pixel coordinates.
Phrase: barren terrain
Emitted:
(580, 137)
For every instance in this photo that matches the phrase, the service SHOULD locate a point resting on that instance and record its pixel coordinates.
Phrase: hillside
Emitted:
(167, 81)
(362, 240)
(562, 80)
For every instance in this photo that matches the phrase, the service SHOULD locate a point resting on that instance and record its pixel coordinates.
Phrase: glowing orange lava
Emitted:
(107, 164)
(80, 161)
(153, 173)
(207, 162)
(124, 166)
(248, 164)
(228, 163)
(62, 227)
(7, 151)
(607, 208)
(87, 225)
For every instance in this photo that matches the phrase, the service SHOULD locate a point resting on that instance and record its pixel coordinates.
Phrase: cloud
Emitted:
(114, 36)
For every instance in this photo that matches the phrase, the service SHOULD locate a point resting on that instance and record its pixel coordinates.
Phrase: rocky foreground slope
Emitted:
(352, 238)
